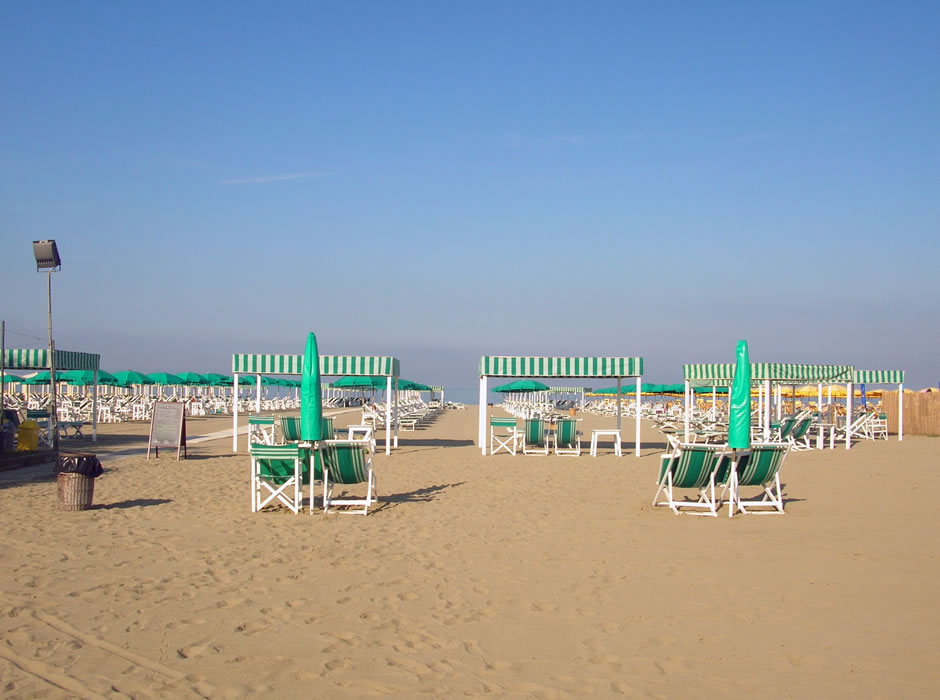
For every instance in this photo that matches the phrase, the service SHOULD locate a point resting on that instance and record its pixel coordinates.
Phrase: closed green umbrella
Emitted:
(311, 400)
(739, 420)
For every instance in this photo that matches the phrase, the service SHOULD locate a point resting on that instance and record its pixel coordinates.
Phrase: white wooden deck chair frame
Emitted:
(692, 466)
(264, 487)
(261, 430)
(351, 458)
(775, 454)
(503, 440)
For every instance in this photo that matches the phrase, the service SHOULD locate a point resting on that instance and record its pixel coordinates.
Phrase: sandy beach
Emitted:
(504, 576)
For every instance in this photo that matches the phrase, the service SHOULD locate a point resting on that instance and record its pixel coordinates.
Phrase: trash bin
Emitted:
(27, 437)
(76, 480)
(572, 412)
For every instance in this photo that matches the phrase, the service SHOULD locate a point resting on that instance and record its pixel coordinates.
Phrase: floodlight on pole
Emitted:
(47, 258)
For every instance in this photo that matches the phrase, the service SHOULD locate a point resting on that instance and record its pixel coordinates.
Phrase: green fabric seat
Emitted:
(692, 466)
(346, 463)
(534, 437)
(290, 428)
(278, 473)
(567, 437)
(760, 466)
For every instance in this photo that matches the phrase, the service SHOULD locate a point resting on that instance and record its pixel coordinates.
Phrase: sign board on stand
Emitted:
(167, 428)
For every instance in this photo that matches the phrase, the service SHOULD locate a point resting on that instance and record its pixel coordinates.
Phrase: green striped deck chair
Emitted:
(503, 435)
(799, 436)
(535, 437)
(692, 466)
(567, 437)
(278, 473)
(346, 463)
(758, 467)
(260, 430)
(290, 428)
(783, 430)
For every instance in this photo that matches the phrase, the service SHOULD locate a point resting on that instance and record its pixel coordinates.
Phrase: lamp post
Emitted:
(47, 258)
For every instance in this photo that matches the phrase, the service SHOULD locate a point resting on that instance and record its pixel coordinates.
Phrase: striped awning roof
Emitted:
(330, 365)
(879, 376)
(39, 359)
(721, 374)
(437, 388)
(568, 367)
(567, 389)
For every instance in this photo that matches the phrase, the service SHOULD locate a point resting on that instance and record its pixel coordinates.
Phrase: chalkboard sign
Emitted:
(167, 428)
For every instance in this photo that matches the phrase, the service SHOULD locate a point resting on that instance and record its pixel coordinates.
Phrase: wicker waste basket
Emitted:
(76, 491)
(76, 480)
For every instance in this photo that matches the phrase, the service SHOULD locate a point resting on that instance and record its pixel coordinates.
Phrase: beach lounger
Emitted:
(535, 437)
(799, 436)
(567, 437)
(278, 472)
(346, 463)
(760, 466)
(504, 435)
(692, 466)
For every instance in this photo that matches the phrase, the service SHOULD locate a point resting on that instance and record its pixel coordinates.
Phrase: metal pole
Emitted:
(54, 418)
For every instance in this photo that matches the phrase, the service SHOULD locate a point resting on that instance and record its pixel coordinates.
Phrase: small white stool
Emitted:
(615, 434)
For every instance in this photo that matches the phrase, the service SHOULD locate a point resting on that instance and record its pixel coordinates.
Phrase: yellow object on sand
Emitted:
(27, 436)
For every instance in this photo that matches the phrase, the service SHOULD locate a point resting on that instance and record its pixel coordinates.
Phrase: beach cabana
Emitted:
(20, 359)
(766, 374)
(515, 367)
(884, 376)
(330, 366)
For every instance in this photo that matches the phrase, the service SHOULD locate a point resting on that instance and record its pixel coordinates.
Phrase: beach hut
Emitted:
(515, 367)
(884, 376)
(767, 375)
(20, 359)
(330, 366)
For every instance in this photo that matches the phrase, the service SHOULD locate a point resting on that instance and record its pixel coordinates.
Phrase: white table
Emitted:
(614, 433)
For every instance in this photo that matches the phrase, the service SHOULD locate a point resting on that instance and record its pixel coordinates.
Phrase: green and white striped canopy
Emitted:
(567, 367)
(879, 376)
(39, 359)
(567, 389)
(330, 365)
(438, 389)
(723, 374)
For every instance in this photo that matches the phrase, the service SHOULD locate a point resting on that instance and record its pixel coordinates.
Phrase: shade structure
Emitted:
(192, 379)
(739, 421)
(129, 377)
(38, 378)
(216, 379)
(408, 385)
(84, 377)
(359, 383)
(521, 385)
(165, 378)
(11, 379)
(311, 400)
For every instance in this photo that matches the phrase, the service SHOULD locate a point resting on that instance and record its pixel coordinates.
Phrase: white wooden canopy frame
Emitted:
(330, 366)
(618, 368)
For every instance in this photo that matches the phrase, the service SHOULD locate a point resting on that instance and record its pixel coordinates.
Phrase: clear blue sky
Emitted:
(438, 181)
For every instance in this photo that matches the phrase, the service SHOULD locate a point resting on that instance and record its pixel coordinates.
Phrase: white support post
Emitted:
(688, 418)
(94, 408)
(638, 405)
(619, 417)
(766, 410)
(234, 413)
(849, 400)
(900, 412)
(258, 396)
(396, 411)
(778, 399)
(481, 429)
(388, 415)
(819, 402)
